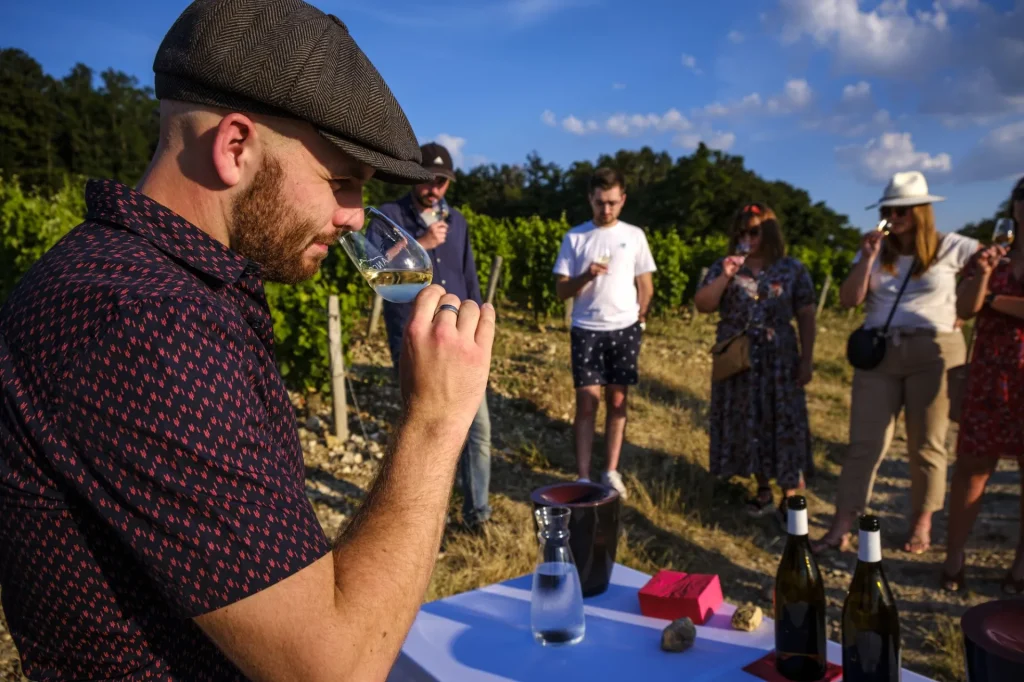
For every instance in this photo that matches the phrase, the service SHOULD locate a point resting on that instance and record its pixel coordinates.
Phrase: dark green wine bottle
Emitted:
(799, 603)
(871, 626)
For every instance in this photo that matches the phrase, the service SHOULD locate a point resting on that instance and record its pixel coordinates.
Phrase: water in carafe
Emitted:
(556, 605)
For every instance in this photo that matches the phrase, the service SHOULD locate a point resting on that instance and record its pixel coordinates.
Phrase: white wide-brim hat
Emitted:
(907, 189)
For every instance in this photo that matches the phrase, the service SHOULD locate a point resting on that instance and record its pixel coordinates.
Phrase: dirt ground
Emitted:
(678, 515)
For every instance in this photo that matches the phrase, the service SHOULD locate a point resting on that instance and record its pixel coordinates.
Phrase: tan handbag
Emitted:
(956, 383)
(730, 357)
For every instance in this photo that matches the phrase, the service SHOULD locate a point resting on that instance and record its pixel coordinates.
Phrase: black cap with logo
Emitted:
(287, 58)
(437, 160)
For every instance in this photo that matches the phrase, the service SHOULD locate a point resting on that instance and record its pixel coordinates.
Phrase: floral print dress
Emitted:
(759, 417)
(990, 423)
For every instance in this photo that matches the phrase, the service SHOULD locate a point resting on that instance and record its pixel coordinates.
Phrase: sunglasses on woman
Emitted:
(898, 211)
(751, 232)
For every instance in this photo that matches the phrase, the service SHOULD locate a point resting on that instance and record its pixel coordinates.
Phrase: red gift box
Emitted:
(671, 595)
(765, 669)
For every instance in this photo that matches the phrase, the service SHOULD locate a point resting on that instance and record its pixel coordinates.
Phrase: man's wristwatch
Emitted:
(989, 299)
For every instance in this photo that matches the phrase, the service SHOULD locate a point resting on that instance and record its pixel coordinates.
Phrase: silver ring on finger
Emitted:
(447, 306)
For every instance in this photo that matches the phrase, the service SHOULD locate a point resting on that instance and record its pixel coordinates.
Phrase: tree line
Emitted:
(107, 126)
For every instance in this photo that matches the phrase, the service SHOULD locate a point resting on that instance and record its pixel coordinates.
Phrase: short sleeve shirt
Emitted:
(150, 468)
(609, 302)
(929, 301)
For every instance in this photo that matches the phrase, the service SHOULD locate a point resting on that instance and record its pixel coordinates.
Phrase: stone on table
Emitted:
(679, 635)
(747, 618)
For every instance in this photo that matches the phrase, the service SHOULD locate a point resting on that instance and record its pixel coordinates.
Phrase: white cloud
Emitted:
(736, 37)
(972, 64)
(454, 145)
(634, 124)
(549, 118)
(890, 153)
(618, 86)
(857, 92)
(796, 95)
(578, 127)
(998, 155)
(713, 139)
(690, 62)
(887, 39)
(574, 125)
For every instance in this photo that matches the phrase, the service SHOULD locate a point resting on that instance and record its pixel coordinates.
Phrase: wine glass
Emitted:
(1004, 233)
(604, 256)
(389, 258)
(441, 210)
(884, 226)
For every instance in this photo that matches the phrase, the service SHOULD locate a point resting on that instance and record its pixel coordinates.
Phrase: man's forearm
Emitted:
(645, 294)
(568, 288)
(384, 560)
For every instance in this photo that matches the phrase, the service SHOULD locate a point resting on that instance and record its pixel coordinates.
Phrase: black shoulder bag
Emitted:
(865, 349)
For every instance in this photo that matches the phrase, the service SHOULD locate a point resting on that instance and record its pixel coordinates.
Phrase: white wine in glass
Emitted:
(1004, 232)
(389, 258)
(604, 256)
(884, 226)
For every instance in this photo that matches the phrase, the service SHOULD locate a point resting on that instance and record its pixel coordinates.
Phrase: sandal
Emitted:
(956, 582)
(1011, 585)
(757, 506)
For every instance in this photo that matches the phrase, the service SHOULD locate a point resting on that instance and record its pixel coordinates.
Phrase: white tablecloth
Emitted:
(485, 635)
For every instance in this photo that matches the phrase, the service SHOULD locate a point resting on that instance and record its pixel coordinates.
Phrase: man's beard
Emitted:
(267, 230)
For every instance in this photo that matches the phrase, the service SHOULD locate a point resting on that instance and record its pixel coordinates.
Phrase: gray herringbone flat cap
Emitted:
(287, 58)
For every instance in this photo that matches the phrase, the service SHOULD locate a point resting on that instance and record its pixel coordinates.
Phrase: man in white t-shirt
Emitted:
(605, 266)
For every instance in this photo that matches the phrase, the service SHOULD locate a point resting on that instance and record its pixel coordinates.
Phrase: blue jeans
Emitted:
(474, 471)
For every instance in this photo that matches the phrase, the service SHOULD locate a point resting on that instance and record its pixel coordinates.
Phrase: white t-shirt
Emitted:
(609, 302)
(929, 301)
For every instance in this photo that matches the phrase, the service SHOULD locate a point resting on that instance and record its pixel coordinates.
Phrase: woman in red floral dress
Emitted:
(992, 417)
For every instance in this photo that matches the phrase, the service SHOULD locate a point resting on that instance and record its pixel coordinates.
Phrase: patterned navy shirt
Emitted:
(150, 468)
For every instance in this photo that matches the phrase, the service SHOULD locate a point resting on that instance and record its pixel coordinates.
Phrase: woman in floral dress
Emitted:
(992, 416)
(759, 416)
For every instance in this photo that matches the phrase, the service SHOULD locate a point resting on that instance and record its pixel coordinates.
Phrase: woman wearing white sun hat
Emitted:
(922, 342)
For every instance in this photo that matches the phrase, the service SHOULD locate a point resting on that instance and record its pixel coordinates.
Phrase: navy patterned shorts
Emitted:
(600, 358)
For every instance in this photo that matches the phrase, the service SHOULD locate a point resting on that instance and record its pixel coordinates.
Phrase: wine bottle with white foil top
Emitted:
(799, 603)
(871, 626)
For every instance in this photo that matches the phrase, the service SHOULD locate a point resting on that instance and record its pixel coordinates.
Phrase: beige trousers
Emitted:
(912, 377)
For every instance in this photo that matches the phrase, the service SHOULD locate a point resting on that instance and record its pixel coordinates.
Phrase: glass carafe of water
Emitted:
(556, 605)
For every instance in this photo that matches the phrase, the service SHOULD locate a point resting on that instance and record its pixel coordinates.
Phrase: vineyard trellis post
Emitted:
(337, 368)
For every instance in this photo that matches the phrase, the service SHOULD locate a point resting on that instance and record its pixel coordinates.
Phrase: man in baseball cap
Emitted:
(155, 522)
(444, 233)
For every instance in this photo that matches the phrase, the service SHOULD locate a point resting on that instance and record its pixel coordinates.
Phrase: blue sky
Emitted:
(830, 95)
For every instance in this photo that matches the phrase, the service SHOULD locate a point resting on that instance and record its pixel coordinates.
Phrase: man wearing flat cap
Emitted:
(446, 239)
(153, 516)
